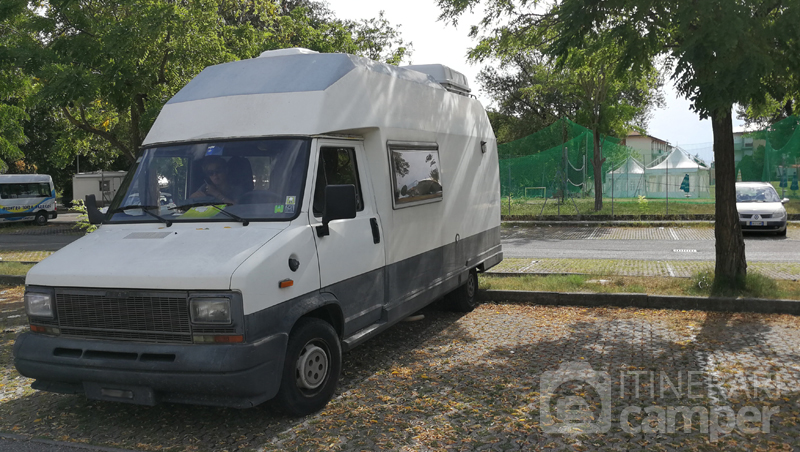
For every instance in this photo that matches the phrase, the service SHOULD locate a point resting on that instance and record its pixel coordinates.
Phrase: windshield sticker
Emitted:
(202, 212)
(289, 208)
(214, 150)
(291, 200)
(279, 208)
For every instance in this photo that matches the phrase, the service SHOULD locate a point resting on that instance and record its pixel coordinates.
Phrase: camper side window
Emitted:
(415, 173)
(337, 166)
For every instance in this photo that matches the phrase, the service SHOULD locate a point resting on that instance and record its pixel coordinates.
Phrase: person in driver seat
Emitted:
(217, 181)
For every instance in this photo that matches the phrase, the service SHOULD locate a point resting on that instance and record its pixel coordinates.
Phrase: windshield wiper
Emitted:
(214, 204)
(145, 210)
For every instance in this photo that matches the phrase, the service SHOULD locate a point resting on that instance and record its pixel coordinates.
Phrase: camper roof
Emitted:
(297, 92)
(286, 71)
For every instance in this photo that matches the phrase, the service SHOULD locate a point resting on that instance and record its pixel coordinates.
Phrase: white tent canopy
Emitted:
(667, 176)
(627, 181)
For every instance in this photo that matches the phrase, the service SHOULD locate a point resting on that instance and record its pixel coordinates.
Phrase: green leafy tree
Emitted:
(106, 67)
(529, 92)
(583, 84)
(611, 101)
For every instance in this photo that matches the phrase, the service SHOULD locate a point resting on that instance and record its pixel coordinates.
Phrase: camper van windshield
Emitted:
(214, 181)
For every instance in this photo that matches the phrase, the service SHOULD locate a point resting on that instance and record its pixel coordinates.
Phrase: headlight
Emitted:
(210, 310)
(39, 304)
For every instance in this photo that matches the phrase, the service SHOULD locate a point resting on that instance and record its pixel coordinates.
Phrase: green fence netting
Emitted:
(556, 161)
(770, 155)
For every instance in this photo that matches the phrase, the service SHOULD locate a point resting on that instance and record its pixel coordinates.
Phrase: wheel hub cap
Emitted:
(312, 367)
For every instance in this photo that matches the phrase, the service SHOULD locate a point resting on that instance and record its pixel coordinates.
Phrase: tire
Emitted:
(41, 218)
(464, 299)
(315, 350)
(782, 233)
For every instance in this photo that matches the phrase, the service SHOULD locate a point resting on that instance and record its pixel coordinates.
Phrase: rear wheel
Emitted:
(41, 218)
(465, 298)
(311, 368)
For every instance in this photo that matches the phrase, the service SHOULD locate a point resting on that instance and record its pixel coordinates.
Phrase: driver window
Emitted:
(337, 166)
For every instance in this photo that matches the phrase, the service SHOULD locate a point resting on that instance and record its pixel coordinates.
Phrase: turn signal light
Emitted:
(285, 283)
(45, 329)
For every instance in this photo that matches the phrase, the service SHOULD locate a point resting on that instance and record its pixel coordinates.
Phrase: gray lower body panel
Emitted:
(237, 375)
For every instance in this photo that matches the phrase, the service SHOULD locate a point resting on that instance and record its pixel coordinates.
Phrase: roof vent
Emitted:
(451, 80)
(285, 52)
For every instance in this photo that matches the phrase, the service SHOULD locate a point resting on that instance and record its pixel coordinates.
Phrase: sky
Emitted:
(436, 42)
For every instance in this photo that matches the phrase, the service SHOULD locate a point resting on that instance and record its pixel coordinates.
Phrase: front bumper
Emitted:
(234, 375)
(778, 225)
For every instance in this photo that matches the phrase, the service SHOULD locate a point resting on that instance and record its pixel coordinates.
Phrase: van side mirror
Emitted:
(95, 216)
(340, 204)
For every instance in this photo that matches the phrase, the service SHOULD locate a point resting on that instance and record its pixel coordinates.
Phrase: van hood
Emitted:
(192, 256)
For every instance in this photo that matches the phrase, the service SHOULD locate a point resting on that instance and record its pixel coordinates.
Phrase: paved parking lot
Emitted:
(477, 382)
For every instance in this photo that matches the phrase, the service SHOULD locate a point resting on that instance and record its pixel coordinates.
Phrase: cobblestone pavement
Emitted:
(49, 229)
(483, 381)
(633, 267)
(616, 233)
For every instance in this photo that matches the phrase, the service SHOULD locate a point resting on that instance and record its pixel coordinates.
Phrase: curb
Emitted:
(644, 301)
(622, 218)
(605, 223)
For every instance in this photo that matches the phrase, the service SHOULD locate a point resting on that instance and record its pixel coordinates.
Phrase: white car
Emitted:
(760, 208)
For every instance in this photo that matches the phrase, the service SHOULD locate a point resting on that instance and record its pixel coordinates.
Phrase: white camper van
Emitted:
(314, 201)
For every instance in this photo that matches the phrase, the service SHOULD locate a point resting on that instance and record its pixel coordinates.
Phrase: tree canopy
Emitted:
(103, 69)
(535, 86)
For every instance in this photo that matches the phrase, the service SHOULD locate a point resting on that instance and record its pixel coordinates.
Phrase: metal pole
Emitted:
(667, 184)
(585, 166)
(612, 193)
(783, 174)
(584, 175)
(566, 173)
(509, 189)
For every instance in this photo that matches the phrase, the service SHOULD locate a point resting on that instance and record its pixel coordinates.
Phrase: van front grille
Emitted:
(124, 315)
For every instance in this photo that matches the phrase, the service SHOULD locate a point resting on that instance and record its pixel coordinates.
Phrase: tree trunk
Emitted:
(731, 266)
(597, 171)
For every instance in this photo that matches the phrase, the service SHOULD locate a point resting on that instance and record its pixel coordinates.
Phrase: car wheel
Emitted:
(41, 218)
(311, 368)
(465, 299)
(782, 233)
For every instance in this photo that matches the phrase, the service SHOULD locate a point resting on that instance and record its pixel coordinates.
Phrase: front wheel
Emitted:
(41, 218)
(311, 368)
(465, 298)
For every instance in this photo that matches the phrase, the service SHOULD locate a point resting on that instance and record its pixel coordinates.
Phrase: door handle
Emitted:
(376, 233)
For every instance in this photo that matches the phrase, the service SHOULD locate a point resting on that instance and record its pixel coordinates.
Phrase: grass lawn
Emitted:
(14, 268)
(758, 286)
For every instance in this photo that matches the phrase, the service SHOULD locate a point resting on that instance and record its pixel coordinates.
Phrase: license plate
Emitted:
(756, 223)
